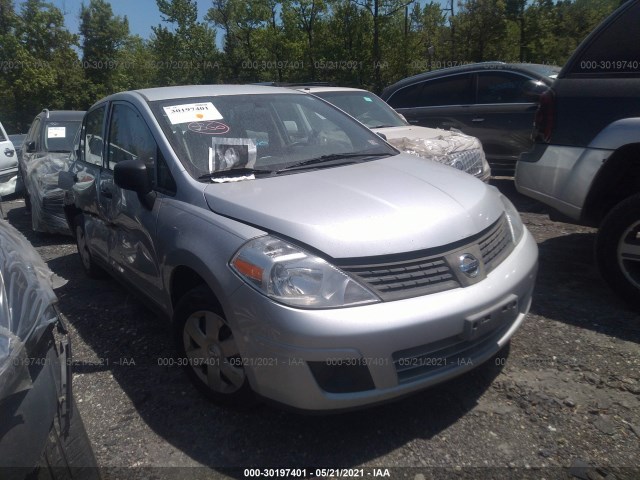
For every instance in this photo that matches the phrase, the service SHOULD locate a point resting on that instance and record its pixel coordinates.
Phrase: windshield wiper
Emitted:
(234, 172)
(331, 158)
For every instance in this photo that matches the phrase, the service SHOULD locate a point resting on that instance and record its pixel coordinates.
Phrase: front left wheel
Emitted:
(208, 349)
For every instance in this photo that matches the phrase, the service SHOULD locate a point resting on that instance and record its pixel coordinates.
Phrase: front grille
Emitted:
(496, 244)
(424, 272)
(403, 279)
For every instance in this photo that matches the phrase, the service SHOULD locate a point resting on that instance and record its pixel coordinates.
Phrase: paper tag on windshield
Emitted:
(56, 132)
(192, 112)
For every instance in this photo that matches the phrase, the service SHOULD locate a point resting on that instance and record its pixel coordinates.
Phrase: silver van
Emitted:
(299, 256)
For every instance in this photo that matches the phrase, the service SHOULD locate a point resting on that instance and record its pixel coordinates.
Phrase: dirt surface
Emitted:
(566, 394)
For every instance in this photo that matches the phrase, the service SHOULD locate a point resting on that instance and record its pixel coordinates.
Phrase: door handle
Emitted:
(477, 120)
(8, 152)
(106, 192)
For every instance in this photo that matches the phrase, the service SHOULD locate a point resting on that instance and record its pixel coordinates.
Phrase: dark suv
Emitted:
(586, 160)
(492, 101)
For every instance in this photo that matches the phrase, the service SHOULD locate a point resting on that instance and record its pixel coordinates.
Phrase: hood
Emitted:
(393, 205)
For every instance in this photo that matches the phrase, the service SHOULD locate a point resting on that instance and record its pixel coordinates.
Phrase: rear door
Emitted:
(502, 117)
(89, 170)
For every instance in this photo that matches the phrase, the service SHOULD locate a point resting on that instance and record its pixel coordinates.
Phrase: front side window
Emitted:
(268, 132)
(91, 140)
(501, 87)
(32, 135)
(130, 138)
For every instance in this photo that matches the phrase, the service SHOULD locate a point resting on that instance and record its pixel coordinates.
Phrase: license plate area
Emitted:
(479, 324)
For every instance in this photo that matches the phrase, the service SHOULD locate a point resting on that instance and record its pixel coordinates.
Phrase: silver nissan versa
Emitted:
(300, 257)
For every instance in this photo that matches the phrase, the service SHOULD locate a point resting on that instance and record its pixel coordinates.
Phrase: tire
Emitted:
(68, 455)
(86, 259)
(618, 249)
(206, 342)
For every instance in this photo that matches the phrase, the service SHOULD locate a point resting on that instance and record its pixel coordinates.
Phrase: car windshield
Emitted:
(58, 136)
(365, 107)
(263, 132)
(550, 71)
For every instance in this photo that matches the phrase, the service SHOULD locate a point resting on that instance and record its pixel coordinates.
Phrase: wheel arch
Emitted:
(618, 179)
(185, 277)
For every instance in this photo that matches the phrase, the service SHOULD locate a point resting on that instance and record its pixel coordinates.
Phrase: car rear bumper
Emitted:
(559, 176)
(350, 357)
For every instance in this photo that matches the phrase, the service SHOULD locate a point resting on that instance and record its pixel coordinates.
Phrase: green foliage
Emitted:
(368, 43)
(185, 51)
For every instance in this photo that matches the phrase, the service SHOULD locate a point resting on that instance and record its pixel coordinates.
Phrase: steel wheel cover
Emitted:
(628, 254)
(212, 352)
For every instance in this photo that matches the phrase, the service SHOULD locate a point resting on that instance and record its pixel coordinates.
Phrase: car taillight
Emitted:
(545, 117)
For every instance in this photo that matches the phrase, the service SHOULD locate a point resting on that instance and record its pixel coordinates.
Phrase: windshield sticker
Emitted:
(56, 132)
(192, 112)
(209, 128)
(367, 99)
(228, 153)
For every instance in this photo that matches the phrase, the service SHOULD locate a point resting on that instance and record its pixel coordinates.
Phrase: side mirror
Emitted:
(132, 175)
(533, 89)
(31, 147)
(382, 136)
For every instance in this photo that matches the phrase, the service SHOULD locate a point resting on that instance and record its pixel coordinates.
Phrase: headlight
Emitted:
(513, 217)
(472, 161)
(295, 277)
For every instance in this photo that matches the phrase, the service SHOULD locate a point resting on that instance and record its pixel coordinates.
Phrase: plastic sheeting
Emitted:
(26, 307)
(10, 186)
(456, 149)
(47, 200)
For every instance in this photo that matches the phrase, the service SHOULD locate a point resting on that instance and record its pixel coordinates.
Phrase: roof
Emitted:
(317, 89)
(534, 69)
(194, 91)
(62, 115)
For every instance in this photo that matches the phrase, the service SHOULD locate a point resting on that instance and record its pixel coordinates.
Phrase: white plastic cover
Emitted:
(41, 182)
(438, 148)
(26, 306)
(9, 186)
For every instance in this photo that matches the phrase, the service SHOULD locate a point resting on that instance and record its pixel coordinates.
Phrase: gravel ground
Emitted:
(565, 394)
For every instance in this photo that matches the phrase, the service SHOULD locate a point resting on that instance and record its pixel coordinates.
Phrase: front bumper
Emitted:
(349, 357)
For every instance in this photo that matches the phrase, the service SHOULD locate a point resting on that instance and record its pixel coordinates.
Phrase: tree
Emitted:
(481, 29)
(380, 10)
(185, 53)
(47, 71)
(103, 38)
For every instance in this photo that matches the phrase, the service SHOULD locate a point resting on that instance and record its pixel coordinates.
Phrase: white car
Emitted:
(450, 147)
(8, 164)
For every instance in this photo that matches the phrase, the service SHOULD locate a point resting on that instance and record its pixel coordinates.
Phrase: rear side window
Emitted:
(615, 51)
(501, 87)
(451, 90)
(91, 141)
